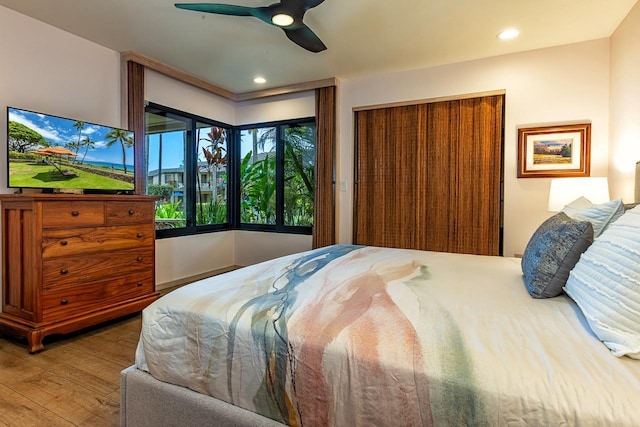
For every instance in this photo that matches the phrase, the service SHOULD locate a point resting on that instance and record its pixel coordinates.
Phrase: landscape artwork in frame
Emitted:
(554, 151)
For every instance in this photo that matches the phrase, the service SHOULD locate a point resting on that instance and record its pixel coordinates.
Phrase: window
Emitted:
(211, 182)
(299, 174)
(211, 176)
(186, 162)
(166, 138)
(277, 176)
(258, 176)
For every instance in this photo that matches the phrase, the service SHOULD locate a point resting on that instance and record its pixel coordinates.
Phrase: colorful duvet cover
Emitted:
(361, 336)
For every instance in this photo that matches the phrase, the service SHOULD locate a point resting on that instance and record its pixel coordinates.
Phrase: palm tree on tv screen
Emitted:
(79, 126)
(87, 142)
(73, 146)
(124, 138)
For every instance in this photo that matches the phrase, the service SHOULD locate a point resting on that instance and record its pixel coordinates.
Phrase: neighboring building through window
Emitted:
(190, 159)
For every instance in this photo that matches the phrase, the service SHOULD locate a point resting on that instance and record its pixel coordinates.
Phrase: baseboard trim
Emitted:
(190, 279)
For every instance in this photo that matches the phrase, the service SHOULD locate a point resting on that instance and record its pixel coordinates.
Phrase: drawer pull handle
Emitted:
(139, 235)
(63, 243)
(131, 212)
(64, 302)
(139, 259)
(64, 271)
(139, 283)
(75, 213)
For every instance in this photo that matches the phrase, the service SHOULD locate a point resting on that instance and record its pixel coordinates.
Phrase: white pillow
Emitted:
(605, 283)
(600, 216)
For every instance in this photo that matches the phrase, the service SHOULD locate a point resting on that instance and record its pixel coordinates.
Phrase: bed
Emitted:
(357, 336)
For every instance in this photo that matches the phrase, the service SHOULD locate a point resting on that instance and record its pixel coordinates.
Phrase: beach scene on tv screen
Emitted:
(53, 152)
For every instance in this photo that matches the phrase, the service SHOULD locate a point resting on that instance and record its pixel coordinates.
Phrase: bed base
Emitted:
(145, 401)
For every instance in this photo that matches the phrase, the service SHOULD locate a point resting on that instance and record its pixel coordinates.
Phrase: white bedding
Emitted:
(443, 339)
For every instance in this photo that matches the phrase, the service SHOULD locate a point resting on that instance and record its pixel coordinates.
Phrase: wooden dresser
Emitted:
(72, 261)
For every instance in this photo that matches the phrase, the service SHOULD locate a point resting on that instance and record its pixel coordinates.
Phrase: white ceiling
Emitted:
(362, 36)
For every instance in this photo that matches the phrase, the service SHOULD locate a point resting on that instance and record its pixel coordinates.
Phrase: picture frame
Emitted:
(554, 151)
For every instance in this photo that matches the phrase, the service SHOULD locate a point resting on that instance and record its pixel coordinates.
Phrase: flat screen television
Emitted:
(57, 153)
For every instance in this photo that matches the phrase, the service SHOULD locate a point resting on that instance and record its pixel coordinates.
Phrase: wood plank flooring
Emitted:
(74, 381)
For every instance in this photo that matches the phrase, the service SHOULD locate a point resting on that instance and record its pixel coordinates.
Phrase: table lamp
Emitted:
(563, 191)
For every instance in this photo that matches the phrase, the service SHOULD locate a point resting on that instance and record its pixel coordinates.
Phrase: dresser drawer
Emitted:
(85, 241)
(66, 302)
(69, 271)
(130, 213)
(72, 214)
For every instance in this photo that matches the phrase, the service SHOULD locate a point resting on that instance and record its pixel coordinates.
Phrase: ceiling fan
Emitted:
(287, 15)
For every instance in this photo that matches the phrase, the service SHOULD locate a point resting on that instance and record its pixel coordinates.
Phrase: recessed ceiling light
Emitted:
(508, 34)
(282, 20)
(259, 80)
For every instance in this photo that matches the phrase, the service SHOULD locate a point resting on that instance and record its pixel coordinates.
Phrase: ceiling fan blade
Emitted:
(298, 32)
(304, 37)
(300, 5)
(221, 9)
(312, 3)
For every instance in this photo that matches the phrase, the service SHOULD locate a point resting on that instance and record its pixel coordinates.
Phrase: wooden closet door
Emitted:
(478, 204)
(441, 163)
(428, 176)
(387, 163)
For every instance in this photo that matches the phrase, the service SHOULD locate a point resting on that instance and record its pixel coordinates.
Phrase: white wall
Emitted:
(51, 71)
(182, 257)
(253, 247)
(625, 106)
(192, 255)
(271, 109)
(172, 93)
(47, 70)
(186, 256)
(561, 84)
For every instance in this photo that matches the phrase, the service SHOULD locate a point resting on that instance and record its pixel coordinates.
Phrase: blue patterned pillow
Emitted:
(553, 250)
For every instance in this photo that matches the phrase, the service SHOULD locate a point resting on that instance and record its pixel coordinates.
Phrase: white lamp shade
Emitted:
(565, 190)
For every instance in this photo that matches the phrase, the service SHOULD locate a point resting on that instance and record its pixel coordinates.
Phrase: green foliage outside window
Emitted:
(162, 191)
(258, 178)
(212, 212)
(299, 175)
(170, 215)
(258, 204)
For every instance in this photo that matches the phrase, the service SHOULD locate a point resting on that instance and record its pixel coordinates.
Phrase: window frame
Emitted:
(233, 174)
(279, 226)
(190, 171)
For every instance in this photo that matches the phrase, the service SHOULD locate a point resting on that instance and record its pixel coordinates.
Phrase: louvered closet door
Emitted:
(389, 176)
(428, 176)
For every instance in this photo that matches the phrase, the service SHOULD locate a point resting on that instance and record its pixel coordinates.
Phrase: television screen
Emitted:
(46, 151)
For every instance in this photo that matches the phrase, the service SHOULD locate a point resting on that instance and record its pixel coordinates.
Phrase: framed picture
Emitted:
(554, 151)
